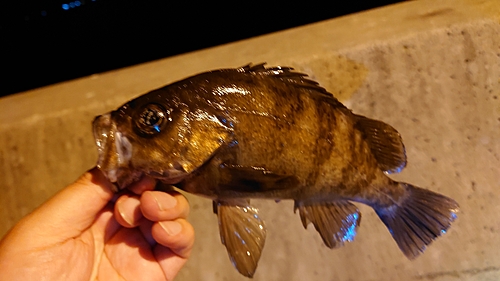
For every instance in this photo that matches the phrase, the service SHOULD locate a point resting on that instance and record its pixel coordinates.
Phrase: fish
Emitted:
(261, 132)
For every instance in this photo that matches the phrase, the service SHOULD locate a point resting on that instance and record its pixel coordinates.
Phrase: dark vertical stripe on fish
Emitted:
(324, 140)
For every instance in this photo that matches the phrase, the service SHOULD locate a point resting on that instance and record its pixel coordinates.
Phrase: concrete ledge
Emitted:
(429, 68)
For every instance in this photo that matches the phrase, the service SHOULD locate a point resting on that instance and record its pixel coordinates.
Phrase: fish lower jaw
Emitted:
(111, 175)
(122, 178)
(169, 177)
(173, 180)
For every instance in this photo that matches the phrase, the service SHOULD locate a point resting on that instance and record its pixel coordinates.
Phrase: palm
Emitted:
(127, 254)
(130, 239)
(130, 256)
(120, 253)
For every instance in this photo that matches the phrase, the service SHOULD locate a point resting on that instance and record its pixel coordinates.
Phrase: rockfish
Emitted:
(269, 132)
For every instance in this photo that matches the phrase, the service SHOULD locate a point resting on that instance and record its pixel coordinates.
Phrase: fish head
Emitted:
(158, 135)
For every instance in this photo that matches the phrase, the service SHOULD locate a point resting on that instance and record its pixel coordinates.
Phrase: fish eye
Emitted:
(151, 119)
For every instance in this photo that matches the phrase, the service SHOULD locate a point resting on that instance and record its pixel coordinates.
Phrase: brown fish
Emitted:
(257, 132)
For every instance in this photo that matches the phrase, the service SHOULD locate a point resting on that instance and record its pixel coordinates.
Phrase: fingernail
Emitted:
(171, 227)
(129, 210)
(165, 201)
(125, 217)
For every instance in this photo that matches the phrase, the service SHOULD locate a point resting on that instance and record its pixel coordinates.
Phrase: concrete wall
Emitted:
(429, 68)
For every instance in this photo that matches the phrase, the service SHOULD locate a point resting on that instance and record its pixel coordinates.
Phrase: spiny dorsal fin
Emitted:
(385, 144)
(336, 221)
(288, 75)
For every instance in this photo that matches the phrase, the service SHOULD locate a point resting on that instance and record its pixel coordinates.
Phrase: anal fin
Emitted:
(242, 232)
(335, 221)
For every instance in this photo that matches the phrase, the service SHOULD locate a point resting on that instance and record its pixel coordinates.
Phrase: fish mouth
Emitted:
(124, 177)
(115, 154)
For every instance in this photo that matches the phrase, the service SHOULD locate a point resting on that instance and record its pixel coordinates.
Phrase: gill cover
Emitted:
(176, 137)
(203, 135)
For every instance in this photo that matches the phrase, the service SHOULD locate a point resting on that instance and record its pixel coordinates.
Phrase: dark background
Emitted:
(46, 41)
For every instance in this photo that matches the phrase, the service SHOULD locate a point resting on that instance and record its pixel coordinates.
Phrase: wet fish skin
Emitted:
(257, 132)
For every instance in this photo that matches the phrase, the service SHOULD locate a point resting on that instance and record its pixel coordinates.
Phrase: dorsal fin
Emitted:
(385, 143)
(288, 75)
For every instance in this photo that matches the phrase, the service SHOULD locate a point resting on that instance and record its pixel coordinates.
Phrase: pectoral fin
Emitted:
(336, 221)
(254, 179)
(385, 144)
(243, 233)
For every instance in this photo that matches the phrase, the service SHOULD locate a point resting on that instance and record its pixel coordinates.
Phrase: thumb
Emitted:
(73, 209)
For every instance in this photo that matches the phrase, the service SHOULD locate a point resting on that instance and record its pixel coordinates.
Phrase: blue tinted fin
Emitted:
(336, 221)
(421, 217)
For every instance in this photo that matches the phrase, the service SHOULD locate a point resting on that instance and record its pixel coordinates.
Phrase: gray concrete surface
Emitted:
(429, 68)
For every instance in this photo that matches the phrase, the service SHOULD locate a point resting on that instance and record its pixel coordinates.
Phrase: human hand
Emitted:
(82, 233)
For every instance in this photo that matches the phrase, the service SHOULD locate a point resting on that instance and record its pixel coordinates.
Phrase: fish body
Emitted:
(259, 132)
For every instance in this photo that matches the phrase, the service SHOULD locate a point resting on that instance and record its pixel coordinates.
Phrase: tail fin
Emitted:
(419, 219)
